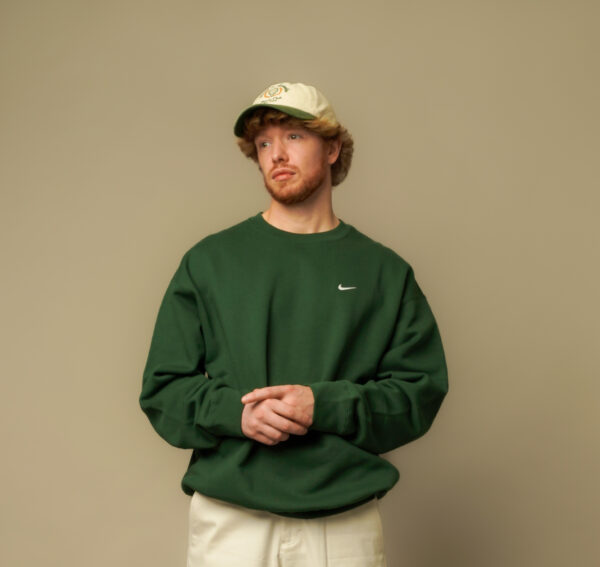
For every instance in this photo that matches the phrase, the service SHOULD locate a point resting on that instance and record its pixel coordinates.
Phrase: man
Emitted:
(289, 352)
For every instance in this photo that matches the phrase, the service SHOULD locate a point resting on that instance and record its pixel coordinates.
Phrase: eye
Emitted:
(295, 136)
(262, 144)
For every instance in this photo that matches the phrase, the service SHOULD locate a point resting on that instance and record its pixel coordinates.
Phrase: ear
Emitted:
(334, 149)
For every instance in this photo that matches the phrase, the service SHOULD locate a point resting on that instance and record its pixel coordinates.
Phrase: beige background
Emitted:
(477, 144)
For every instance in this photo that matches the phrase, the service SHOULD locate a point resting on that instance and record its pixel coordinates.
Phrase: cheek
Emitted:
(261, 162)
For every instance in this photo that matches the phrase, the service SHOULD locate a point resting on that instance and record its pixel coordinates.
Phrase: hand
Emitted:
(274, 413)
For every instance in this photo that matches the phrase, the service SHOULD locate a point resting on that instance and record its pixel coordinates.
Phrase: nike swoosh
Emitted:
(342, 288)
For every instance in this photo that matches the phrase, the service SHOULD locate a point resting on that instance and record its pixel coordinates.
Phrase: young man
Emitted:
(289, 352)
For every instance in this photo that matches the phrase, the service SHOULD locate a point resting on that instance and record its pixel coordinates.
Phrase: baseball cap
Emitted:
(296, 99)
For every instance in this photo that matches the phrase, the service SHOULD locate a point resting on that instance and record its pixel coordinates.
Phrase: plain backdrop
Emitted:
(477, 142)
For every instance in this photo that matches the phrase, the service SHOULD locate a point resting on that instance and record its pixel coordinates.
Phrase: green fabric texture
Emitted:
(254, 306)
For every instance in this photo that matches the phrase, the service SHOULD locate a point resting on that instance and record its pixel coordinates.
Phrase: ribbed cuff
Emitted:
(333, 407)
(226, 413)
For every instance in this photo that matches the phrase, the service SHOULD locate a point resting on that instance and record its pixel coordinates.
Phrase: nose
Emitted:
(278, 151)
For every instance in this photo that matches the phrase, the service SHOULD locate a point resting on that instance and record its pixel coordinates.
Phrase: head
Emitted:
(294, 106)
(295, 162)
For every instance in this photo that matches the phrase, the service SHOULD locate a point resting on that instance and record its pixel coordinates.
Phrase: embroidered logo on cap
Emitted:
(275, 90)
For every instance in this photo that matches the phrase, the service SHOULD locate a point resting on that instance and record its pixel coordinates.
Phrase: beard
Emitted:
(294, 190)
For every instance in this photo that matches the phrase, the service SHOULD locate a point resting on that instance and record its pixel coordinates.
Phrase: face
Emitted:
(295, 162)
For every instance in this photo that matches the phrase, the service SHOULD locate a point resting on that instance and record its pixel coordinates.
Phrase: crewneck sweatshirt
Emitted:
(253, 306)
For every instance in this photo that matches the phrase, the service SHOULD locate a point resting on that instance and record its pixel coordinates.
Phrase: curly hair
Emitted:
(267, 116)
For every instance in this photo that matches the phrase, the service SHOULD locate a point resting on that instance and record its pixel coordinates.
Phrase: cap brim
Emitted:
(238, 129)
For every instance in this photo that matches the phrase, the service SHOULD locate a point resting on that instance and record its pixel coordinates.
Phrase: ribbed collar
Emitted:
(263, 226)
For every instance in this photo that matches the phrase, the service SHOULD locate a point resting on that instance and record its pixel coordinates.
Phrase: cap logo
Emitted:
(275, 91)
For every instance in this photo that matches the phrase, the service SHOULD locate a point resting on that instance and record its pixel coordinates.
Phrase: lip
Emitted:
(282, 173)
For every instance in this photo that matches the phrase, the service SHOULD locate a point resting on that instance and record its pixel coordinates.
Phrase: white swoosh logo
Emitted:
(342, 288)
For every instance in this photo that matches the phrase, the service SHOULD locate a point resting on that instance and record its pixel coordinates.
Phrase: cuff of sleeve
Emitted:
(333, 407)
(226, 413)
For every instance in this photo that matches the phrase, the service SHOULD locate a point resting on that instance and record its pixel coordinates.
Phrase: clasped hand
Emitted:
(272, 414)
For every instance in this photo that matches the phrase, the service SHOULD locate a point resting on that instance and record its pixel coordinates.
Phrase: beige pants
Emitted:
(224, 535)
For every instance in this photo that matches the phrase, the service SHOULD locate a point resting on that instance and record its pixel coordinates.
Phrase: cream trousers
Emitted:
(225, 535)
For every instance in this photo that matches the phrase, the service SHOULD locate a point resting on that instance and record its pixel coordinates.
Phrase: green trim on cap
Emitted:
(238, 129)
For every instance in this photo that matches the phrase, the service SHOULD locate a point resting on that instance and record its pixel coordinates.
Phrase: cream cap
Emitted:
(296, 99)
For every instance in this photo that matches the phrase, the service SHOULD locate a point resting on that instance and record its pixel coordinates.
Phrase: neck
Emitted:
(307, 217)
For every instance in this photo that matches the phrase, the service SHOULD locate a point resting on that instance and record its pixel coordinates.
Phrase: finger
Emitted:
(274, 434)
(292, 413)
(259, 395)
(286, 425)
(266, 415)
(264, 440)
(263, 394)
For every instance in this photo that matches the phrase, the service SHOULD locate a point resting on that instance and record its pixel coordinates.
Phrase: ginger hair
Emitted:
(267, 116)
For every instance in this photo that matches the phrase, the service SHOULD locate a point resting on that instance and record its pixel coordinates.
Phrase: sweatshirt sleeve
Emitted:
(399, 403)
(186, 407)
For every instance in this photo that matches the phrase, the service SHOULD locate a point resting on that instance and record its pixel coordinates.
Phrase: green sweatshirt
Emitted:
(254, 306)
